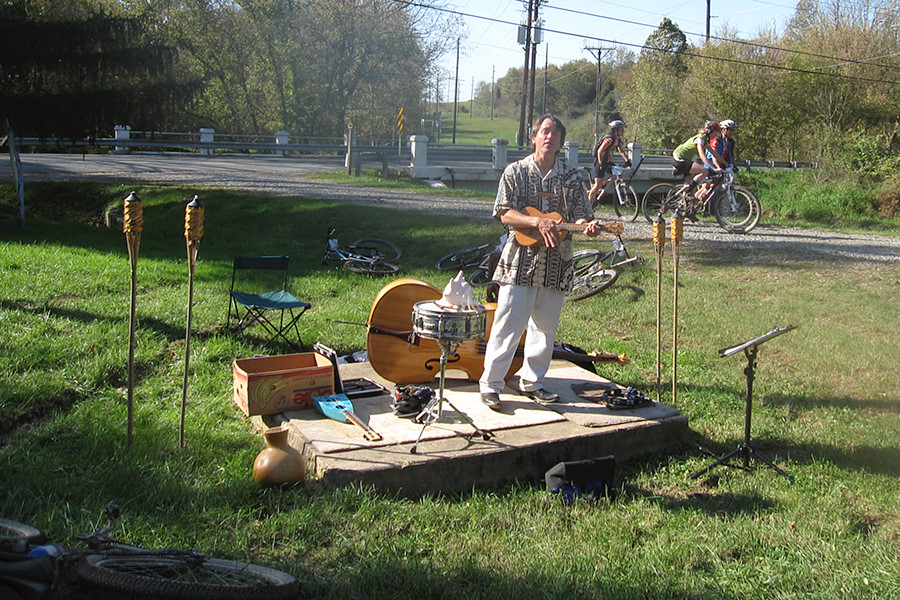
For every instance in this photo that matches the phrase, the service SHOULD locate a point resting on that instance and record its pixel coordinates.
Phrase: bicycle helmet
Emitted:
(617, 124)
(727, 124)
(711, 126)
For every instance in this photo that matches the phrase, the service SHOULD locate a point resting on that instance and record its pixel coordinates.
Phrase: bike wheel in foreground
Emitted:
(461, 258)
(13, 533)
(376, 268)
(377, 248)
(585, 261)
(592, 283)
(184, 578)
(627, 207)
(655, 200)
(738, 212)
(479, 277)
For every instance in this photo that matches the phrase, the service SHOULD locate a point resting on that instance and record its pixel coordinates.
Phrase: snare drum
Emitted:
(435, 322)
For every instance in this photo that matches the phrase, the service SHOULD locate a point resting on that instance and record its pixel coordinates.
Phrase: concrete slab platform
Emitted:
(523, 440)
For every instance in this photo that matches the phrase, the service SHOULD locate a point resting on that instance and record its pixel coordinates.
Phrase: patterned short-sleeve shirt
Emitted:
(560, 191)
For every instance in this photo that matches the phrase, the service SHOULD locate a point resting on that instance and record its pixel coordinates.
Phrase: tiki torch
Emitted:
(676, 233)
(133, 224)
(659, 242)
(193, 231)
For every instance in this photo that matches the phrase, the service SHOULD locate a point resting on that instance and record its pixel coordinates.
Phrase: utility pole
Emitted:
(546, 68)
(456, 90)
(707, 20)
(599, 50)
(527, 42)
(493, 68)
(535, 40)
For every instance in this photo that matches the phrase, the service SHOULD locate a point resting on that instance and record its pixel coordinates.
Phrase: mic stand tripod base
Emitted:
(434, 409)
(748, 452)
(744, 448)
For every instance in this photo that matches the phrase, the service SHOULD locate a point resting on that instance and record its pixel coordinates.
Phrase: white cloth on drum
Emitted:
(534, 309)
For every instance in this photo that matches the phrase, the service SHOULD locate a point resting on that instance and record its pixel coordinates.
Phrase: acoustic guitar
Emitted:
(399, 355)
(532, 236)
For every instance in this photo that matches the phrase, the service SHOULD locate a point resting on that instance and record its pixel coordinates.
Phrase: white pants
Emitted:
(520, 308)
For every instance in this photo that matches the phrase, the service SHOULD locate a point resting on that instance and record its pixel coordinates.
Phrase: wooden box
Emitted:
(272, 384)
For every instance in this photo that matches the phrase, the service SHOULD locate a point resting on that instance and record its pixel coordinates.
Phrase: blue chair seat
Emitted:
(251, 308)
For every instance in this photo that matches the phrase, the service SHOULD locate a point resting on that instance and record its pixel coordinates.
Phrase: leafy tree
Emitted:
(75, 70)
(308, 67)
(657, 77)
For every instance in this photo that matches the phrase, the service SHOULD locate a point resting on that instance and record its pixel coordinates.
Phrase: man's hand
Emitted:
(592, 229)
(548, 230)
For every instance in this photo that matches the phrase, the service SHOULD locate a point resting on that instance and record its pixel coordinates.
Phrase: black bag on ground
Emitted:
(589, 478)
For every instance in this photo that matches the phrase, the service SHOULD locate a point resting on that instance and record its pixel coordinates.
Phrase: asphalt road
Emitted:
(766, 244)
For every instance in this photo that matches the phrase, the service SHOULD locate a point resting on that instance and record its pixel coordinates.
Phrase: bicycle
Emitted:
(626, 202)
(366, 256)
(735, 207)
(595, 270)
(476, 256)
(32, 568)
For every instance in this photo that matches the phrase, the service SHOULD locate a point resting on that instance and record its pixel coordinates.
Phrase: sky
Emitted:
(490, 49)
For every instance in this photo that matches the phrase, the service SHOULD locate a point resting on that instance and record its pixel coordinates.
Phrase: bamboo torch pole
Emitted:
(133, 224)
(676, 233)
(659, 242)
(193, 231)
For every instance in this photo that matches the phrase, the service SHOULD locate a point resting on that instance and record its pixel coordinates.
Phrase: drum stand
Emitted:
(744, 448)
(433, 410)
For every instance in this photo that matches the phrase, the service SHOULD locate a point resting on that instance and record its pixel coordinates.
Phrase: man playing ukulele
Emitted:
(533, 278)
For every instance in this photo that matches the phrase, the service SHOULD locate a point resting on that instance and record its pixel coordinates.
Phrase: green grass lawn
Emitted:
(826, 409)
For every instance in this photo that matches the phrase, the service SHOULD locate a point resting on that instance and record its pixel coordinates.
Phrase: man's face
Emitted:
(728, 132)
(548, 138)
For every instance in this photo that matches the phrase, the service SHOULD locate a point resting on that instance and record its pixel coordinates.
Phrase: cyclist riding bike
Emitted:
(611, 141)
(692, 161)
(723, 145)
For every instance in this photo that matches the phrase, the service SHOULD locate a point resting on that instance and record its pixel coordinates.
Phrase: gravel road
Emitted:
(289, 176)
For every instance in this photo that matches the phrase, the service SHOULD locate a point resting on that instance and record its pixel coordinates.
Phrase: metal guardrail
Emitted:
(384, 150)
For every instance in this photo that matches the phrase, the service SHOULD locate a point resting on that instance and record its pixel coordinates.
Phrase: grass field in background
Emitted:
(826, 409)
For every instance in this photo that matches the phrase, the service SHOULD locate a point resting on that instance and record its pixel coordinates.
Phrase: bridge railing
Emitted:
(417, 155)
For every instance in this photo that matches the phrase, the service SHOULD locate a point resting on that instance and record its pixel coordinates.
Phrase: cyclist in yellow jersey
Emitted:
(690, 158)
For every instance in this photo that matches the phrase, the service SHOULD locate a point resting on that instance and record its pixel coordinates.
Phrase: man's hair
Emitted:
(537, 125)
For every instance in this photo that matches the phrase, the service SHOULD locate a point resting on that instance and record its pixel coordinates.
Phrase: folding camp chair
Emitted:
(250, 308)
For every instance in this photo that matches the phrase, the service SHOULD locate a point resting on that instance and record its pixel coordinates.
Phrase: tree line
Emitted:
(77, 68)
(823, 90)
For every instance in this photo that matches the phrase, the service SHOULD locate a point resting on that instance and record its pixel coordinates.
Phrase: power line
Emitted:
(733, 41)
(684, 53)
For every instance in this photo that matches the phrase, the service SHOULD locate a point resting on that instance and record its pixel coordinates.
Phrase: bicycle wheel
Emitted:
(479, 277)
(13, 533)
(378, 268)
(461, 259)
(592, 283)
(627, 206)
(183, 578)
(655, 199)
(737, 211)
(585, 261)
(377, 248)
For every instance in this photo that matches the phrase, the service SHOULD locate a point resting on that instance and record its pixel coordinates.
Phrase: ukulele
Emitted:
(531, 236)
(397, 354)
